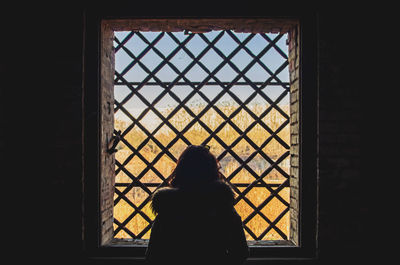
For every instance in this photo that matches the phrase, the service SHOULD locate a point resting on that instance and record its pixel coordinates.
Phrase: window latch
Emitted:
(114, 142)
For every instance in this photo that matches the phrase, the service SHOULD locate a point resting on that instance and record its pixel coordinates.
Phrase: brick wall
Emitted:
(294, 58)
(107, 160)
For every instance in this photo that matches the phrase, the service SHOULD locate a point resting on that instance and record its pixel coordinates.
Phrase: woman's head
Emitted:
(195, 166)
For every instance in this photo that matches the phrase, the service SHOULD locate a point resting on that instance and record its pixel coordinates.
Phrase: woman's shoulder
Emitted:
(162, 197)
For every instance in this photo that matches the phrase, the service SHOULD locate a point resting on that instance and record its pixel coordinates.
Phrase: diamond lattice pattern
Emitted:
(224, 89)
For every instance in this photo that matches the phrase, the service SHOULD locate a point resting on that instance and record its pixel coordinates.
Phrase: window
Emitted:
(232, 84)
(223, 89)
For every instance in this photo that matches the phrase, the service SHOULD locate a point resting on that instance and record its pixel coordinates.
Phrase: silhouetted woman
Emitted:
(196, 222)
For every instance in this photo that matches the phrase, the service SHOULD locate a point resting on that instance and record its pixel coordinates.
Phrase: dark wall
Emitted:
(341, 210)
(44, 134)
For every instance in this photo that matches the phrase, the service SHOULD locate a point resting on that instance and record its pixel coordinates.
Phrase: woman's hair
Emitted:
(196, 165)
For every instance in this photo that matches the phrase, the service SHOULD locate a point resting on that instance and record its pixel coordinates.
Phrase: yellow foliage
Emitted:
(197, 135)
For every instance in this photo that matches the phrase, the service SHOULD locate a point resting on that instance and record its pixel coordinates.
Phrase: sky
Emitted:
(272, 59)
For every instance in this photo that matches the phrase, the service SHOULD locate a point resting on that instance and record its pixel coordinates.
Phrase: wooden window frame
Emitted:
(96, 244)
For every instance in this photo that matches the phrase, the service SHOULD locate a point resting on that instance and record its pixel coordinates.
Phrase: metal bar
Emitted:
(256, 58)
(258, 211)
(258, 179)
(163, 93)
(266, 201)
(273, 226)
(250, 127)
(148, 219)
(122, 227)
(241, 74)
(130, 217)
(249, 231)
(275, 47)
(163, 119)
(254, 208)
(186, 83)
(181, 79)
(151, 74)
(134, 179)
(197, 117)
(241, 185)
(140, 56)
(122, 43)
(272, 43)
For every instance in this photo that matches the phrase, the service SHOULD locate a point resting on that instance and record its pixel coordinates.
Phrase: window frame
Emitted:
(308, 175)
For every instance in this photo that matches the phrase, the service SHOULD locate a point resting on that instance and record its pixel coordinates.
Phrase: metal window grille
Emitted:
(224, 89)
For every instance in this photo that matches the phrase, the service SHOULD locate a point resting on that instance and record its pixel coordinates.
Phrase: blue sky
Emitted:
(272, 59)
